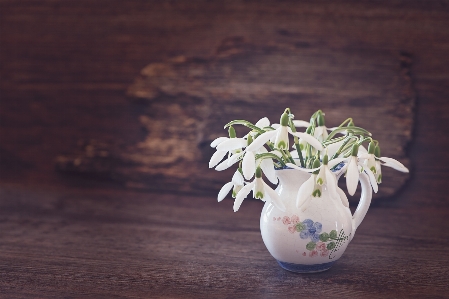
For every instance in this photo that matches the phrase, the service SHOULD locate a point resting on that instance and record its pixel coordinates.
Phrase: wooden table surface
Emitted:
(65, 67)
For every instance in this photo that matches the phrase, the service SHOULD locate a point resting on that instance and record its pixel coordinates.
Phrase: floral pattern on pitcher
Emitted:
(321, 243)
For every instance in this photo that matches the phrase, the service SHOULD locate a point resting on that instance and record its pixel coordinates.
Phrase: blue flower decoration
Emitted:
(311, 230)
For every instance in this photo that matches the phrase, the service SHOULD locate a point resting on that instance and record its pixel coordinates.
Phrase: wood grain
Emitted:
(124, 244)
(65, 68)
(189, 99)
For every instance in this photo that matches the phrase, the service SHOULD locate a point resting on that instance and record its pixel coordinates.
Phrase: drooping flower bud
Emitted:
(316, 164)
(259, 191)
(309, 130)
(258, 172)
(320, 119)
(371, 147)
(284, 119)
(377, 151)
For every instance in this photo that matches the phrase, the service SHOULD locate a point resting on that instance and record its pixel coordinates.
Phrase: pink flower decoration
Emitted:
(304, 254)
(279, 218)
(321, 246)
(274, 218)
(286, 220)
(295, 219)
(324, 252)
(313, 253)
(292, 229)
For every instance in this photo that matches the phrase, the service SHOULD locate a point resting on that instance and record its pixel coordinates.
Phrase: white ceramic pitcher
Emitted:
(311, 240)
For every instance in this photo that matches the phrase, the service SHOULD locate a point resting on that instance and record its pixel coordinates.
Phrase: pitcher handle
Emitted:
(364, 203)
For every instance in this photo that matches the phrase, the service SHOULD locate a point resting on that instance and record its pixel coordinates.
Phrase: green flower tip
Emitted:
(320, 119)
(350, 123)
(284, 119)
(377, 151)
(316, 164)
(258, 172)
(371, 147)
(355, 150)
(281, 145)
(231, 131)
(259, 195)
(325, 159)
(309, 130)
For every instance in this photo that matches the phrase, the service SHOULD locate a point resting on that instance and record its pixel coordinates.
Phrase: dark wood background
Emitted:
(65, 70)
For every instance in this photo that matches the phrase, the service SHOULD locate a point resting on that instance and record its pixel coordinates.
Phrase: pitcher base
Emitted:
(298, 268)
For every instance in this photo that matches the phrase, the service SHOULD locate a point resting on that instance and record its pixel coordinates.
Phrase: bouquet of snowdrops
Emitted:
(317, 150)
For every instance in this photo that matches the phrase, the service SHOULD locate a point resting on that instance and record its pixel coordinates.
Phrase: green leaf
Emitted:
(353, 129)
(246, 124)
(330, 246)
(270, 155)
(311, 246)
(333, 234)
(324, 237)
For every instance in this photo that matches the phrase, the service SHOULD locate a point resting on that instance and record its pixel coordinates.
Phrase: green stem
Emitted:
(296, 141)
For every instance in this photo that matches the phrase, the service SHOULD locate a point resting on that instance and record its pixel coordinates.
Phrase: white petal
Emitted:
(223, 165)
(218, 140)
(294, 154)
(262, 123)
(318, 131)
(362, 150)
(234, 158)
(262, 150)
(395, 164)
(372, 179)
(363, 155)
(331, 182)
(275, 199)
(305, 191)
(343, 197)
(237, 178)
(301, 123)
(281, 138)
(216, 157)
(335, 161)
(302, 169)
(309, 139)
(249, 165)
(352, 176)
(275, 126)
(268, 169)
(224, 191)
(243, 193)
(232, 144)
(261, 140)
(333, 148)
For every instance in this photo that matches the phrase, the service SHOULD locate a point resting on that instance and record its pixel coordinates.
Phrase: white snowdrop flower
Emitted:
(236, 184)
(260, 191)
(321, 176)
(281, 137)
